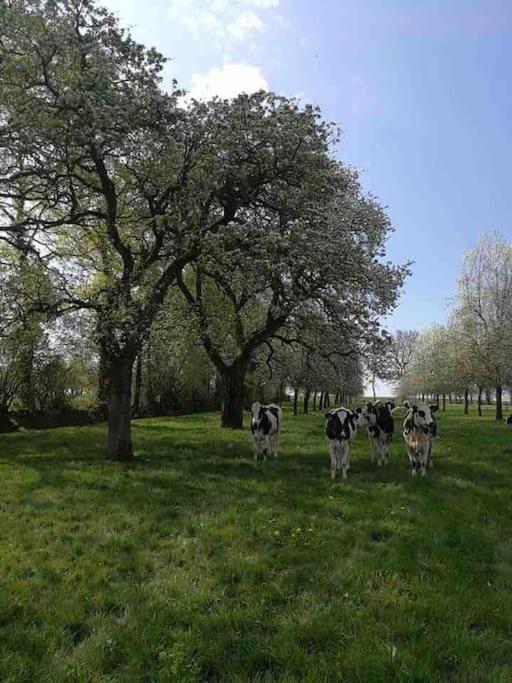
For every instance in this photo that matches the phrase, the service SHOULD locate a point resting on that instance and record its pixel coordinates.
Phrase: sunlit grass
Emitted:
(195, 563)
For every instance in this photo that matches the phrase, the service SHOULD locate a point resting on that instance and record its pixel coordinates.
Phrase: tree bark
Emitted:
(480, 389)
(466, 403)
(327, 402)
(295, 400)
(232, 393)
(307, 394)
(119, 438)
(450, 397)
(138, 385)
(488, 396)
(499, 402)
(103, 386)
(444, 402)
(314, 399)
(321, 401)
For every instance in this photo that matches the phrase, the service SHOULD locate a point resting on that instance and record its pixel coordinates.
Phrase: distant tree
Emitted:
(403, 344)
(484, 311)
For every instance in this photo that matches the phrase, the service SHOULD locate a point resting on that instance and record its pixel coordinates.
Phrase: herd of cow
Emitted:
(419, 429)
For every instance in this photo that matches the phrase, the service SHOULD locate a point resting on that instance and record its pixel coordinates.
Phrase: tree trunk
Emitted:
(373, 387)
(321, 401)
(314, 400)
(444, 402)
(232, 393)
(327, 402)
(466, 402)
(499, 403)
(437, 400)
(295, 400)
(488, 396)
(103, 386)
(138, 385)
(307, 394)
(450, 397)
(119, 440)
(480, 389)
(282, 393)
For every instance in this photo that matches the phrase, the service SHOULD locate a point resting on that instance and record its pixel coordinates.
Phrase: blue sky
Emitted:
(421, 89)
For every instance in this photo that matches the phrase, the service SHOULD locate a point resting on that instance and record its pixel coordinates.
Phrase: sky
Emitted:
(420, 88)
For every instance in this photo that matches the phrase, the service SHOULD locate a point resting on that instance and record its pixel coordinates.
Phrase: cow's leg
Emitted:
(423, 461)
(273, 444)
(345, 458)
(381, 457)
(334, 460)
(255, 446)
(430, 460)
(412, 460)
(388, 451)
(372, 447)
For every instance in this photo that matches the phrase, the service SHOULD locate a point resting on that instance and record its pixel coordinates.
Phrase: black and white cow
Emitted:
(265, 427)
(419, 429)
(380, 429)
(340, 428)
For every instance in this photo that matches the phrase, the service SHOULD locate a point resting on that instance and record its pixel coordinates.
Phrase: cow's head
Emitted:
(420, 417)
(366, 416)
(255, 410)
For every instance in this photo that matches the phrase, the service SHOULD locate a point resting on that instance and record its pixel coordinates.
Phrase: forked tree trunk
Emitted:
(450, 397)
(499, 402)
(232, 392)
(327, 402)
(466, 403)
(295, 400)
(119, 439)
(480, 390)
(307, 394)
(488, 396)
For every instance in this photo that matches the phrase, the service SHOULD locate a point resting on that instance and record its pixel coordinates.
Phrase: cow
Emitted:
(340, 428)
(380, 429)
(265, 427)
(419, 429)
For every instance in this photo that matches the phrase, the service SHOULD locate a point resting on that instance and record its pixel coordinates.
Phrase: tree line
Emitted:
(469, 358)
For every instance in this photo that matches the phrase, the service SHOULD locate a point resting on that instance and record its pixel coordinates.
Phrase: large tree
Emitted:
(316, 247)
(121, 184)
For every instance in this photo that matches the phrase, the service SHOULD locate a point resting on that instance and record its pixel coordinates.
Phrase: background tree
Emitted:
(484, 310)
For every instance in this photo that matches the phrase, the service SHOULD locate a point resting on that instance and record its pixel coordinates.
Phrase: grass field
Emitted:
(195, 564)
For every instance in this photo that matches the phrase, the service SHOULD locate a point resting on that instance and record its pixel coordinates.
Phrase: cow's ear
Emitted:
(433, 408)
(327, 414)
(407, 404)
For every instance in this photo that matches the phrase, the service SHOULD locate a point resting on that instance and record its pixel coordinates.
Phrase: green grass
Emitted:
(195, 564)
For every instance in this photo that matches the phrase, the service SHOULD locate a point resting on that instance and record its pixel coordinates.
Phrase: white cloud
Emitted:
(245, 24)
(227, 81)
(225, 21)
